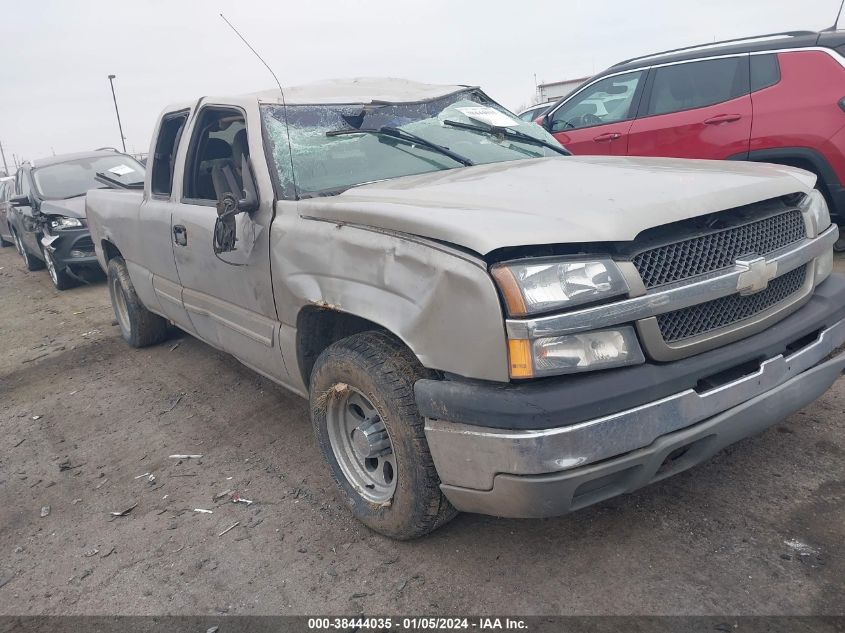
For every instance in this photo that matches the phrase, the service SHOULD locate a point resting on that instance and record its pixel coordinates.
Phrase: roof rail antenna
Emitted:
(712, 44)
(278, 83)
(835, 25)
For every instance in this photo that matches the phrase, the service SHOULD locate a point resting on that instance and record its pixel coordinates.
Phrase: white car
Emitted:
(535, 111)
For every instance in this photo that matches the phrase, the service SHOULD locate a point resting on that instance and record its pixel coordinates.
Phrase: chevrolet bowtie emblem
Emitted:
(756, 275)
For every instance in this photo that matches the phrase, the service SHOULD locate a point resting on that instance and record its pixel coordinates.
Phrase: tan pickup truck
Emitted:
(480, 321)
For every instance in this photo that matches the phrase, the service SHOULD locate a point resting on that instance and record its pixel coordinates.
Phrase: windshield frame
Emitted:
(290, 189)
(36, 187)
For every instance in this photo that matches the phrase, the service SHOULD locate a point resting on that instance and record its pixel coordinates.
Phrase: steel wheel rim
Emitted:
(51, 267)
(120, 308)
(350, 416)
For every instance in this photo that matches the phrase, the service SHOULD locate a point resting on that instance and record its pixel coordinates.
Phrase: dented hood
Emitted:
(69, 207)
(556, 200)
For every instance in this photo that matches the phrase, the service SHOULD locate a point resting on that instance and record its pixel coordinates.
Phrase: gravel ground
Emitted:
(84, 420)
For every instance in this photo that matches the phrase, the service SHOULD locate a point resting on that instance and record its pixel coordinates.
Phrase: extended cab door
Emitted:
(697, 109)
(596, 119)
(228, 296)
(154, 274)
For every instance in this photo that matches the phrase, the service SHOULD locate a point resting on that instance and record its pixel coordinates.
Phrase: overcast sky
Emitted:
(56, 55)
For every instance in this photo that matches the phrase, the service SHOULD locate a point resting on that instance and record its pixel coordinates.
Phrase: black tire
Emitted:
(29, 261)
(138, 326)
(59, 276)
(4, 242)
(382, 369)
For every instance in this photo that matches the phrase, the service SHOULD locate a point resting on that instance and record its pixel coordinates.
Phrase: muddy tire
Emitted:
(366, 383)
(138, 326)
(29, 261)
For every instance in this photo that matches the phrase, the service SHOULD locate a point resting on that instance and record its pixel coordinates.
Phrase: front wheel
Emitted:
(138, 326)
(59, 276)
(372, 436)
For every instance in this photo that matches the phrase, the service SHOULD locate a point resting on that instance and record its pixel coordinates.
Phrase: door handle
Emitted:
(722, 118)
(609, 136)
(180, 235)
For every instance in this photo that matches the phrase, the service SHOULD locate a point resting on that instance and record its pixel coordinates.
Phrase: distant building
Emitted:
(557, 89)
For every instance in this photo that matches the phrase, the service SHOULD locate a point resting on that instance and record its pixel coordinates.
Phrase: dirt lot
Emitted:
(83, 419)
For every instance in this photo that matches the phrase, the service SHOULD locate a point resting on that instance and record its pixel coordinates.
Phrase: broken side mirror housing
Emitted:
(229, 205)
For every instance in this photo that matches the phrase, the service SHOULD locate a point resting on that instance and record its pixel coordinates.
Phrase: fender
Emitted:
(441, 303)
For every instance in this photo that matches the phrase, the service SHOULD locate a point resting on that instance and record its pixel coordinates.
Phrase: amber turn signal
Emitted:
(519, 356)
(510, 290)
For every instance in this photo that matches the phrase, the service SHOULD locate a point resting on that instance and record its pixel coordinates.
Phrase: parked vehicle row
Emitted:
(775, 99)
(480, 321)
(42, 210)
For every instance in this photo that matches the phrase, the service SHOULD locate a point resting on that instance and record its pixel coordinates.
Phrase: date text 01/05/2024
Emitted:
(416, 624)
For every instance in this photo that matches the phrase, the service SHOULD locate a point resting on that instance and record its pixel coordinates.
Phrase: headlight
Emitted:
(585, 351)
(60, 222)
(815, 204)
(534, 286)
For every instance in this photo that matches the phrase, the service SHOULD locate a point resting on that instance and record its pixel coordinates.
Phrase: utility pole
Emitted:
(117, 112)
(5, 166)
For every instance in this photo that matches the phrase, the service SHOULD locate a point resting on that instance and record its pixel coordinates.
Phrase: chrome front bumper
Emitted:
(493, 471)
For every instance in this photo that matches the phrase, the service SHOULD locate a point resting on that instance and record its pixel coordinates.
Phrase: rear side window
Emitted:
(765, 71)
(698, 84)
(164, 157)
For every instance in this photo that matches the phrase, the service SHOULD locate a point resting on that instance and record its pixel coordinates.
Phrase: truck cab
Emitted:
(479, 320)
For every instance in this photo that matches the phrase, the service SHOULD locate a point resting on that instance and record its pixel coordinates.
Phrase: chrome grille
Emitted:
(721, 249)
(713, 315)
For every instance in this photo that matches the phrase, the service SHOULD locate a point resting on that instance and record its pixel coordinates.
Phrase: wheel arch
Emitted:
(319, 326)
(802, 157)
(110, 251)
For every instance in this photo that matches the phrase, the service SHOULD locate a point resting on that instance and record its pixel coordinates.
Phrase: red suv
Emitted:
(774, 98)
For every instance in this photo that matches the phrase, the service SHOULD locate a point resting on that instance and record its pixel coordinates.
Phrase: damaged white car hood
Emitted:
(556, 200)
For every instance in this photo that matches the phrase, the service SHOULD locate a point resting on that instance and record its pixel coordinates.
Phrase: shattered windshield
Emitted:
(325, 155)
(75, 177)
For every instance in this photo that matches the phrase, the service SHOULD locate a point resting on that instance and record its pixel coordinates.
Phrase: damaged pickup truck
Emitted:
(481, 321)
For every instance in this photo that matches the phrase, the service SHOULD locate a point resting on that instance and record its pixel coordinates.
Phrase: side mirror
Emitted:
(20, 201)
(230, 204)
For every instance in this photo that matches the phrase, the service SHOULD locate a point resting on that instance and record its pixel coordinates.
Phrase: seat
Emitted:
(225, 180)
(215, 152)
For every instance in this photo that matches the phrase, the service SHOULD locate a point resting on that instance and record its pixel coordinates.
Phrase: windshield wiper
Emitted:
(408, 137)
(510, 133)
(113, 183)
